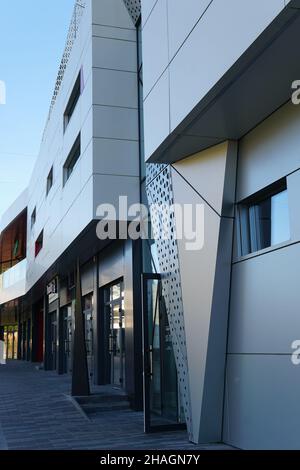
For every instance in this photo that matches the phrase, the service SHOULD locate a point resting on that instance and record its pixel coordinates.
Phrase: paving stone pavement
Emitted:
(37, 413)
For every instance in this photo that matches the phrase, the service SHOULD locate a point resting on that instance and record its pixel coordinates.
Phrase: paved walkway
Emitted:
(36, 413)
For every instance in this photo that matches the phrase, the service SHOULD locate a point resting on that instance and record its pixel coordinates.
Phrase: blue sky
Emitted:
(32, 40)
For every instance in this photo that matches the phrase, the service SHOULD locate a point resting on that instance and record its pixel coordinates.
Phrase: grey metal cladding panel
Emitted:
(134, 9)
(87, 278)
(205, 276)
(265, 302)
(270, 151)
(262, 402)
(213, 393)
(160, 191)
(111, 264)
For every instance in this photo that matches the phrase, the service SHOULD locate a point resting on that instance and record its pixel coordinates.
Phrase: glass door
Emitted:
(53, 341)
(116, 335)
(89, 332)
(11, 342)
(67, 339)
(162, 407)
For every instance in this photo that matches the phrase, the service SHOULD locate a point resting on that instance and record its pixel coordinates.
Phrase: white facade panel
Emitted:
(198, 44)
(13, 282)
(111, 13)
(157, 115)
(115, 123)
(105, 191)
(155, 46)
(116, 157)
(114, 33)
(219, 39)
(182, 18)
(147, 7)
(115, 88)
(114, 54)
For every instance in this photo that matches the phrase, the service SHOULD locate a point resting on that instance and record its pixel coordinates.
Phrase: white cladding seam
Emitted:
(134, 9)
(160, 193)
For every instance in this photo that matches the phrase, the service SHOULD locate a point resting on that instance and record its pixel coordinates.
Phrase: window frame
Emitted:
(249, 226)
(33, 218)
(72, 159)
(73, 101)
(49, 182)
(39, 243)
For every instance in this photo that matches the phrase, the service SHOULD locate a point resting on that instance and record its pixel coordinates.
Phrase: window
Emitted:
(39, 243)
(72, 159)
(49, 181)
(75, 95)
(264, 219)
(33, 217)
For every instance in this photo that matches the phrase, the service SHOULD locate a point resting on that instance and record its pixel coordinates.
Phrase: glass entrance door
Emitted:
(162, 406)
(89, 332)
(116, 334)
(67, 339)
(11, 342)
(53, 341)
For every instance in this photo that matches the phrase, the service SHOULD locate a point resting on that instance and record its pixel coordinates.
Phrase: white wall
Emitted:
(187, 48)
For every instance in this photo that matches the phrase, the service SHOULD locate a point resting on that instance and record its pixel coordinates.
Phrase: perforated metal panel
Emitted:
(160, 191)
(134, 9)
(72, 34)
(152, 170)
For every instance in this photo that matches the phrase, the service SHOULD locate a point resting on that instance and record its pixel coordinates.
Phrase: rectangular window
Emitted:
(33, 217)
(75, 95)
(39, 243)
(72, 159)
(49, 181)
(264, 219)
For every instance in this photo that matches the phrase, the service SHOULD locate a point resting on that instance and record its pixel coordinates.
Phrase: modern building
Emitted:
(169, 102)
